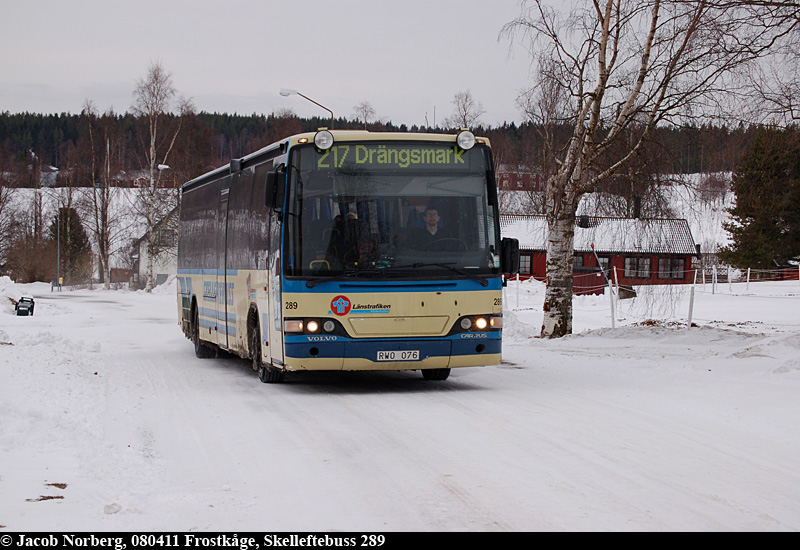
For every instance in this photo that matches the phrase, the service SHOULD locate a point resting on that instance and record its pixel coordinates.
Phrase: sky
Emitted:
(407, 59)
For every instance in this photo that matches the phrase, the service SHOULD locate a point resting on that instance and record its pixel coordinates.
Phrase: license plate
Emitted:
(399, 355)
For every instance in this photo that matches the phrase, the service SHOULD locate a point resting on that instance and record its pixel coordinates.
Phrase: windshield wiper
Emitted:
(315, 282)
(483, 281)
(346, 275)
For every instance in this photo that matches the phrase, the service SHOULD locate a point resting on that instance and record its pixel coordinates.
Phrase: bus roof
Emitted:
(365, 135)
(285, 144)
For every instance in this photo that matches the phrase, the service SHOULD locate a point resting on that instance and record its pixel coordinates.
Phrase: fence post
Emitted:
(611, 301)
(517, 290)
(730, 284)
(713, 279)
(691, 300)
(748, 278)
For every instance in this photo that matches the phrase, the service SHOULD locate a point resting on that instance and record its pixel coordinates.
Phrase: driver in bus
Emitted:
(424, 237)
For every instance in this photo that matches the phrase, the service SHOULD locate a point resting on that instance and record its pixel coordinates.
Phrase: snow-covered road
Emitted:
(109, 422)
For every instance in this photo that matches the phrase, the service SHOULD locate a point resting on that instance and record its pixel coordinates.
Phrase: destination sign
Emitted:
(368, 156)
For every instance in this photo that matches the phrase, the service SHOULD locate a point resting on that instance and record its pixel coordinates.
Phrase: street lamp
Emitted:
(58, 248)
(55, 197)
(285, 92)
(161, 168)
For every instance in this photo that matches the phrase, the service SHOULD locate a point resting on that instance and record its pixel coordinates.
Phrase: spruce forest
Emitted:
(207, 140)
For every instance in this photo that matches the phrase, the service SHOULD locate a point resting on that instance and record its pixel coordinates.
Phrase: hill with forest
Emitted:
(682, 172)
(35, 141)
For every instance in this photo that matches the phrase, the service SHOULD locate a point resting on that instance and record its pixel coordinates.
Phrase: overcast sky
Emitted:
(407, 58)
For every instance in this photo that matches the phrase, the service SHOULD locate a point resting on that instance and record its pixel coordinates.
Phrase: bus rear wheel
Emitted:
(266, 373)
(200, 349)
(435, 374)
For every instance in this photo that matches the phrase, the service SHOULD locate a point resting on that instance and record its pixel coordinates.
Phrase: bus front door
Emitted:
(273, 317)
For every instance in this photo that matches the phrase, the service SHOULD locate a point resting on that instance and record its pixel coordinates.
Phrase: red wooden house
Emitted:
(631, 251)
(518, 178)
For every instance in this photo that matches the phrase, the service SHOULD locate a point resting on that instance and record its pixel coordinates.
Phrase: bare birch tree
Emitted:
(154, 100)
(5, 215)
(105, 226)
(777, 85)
(6, 181)
(467, 111)
(625, 67)
(364, 112)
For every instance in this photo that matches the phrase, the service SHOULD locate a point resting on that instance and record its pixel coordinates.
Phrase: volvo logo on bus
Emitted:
(341, 305)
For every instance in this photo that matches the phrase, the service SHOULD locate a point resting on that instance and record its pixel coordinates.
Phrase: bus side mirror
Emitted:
(276, 185)
(509, 256)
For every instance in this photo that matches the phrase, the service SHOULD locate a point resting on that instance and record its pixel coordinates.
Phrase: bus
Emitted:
(311, 254)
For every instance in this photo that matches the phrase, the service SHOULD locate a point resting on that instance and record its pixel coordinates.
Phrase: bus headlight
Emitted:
(329, 326)
(323, 140)
(293, 325)
(312, 326)
(482, 323)
(465, 139)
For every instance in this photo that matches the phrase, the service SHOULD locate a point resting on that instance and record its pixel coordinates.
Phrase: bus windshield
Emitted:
(393, 209)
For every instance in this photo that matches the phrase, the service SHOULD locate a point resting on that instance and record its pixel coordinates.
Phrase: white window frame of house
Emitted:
(525, 264)
(671, 268)
(638, 267)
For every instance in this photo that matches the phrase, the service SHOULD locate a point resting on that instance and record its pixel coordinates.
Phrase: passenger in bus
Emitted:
(343, 249)
(366, 252)
(332, 237)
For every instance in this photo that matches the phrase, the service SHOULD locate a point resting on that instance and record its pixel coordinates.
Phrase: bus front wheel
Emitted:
(266, 373)
(269, 374)
(435, 374)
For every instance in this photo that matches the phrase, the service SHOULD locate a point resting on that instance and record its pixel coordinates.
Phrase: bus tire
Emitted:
(266, 373)
(435, 374)
(201, 350)
(269, 374)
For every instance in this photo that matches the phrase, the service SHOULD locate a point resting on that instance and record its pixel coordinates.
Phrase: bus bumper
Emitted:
(364, 354)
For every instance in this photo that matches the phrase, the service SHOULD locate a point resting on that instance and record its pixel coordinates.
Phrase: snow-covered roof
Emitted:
(632, 235)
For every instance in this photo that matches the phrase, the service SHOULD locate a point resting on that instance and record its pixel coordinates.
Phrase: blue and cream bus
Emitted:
(311, 254)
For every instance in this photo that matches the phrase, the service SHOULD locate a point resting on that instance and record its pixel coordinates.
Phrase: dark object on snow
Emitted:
(24, 306)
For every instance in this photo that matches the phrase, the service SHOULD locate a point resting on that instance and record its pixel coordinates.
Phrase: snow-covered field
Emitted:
(108, 422)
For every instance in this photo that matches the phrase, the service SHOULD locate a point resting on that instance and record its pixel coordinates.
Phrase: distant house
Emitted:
(518, 178)
(166, 262)
(139, 179)
(48, 176)
(631, 251)
(121, 275)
